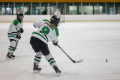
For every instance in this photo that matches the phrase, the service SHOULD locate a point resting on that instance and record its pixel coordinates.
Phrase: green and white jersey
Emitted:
(13, 29)
(45, 32)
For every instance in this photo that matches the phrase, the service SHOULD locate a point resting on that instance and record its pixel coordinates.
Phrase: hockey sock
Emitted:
(38, 57)
(11, 49)
(51, 60)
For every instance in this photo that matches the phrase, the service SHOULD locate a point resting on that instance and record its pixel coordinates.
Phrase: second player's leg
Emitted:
(38, 55)
(50, 58)
(37, 60)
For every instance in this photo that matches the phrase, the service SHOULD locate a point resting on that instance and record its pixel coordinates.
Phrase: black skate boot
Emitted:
(13, 56)
(36, 68)
(10, 56)
(57, 70)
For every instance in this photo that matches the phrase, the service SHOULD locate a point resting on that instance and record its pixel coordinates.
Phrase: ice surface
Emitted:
(94, 42)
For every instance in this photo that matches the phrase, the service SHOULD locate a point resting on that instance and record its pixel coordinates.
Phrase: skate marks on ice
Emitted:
(17, 57)
(65, 75)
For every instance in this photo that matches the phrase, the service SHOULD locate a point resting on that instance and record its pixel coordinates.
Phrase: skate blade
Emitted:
(8, 58)
(36, 71)
(58, 74)
(13, 57)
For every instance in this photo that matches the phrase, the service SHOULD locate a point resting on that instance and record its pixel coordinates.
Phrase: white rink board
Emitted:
(94, 42)
(67, 17)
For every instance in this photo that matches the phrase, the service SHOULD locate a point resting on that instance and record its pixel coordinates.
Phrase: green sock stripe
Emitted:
(11, 49)
(10, 36)
(52, 62)
(37, 60)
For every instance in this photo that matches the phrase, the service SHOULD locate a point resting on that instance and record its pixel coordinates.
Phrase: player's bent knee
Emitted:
(38, 54)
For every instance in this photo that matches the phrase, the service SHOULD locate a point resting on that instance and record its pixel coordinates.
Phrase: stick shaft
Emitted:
(17, 40)
(66, 54)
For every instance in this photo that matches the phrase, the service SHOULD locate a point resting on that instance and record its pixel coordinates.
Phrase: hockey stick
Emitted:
(17, 40)
(16, 43)
(70, 57)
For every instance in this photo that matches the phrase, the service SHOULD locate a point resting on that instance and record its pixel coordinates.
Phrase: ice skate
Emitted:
(10, 56)
(13, 56)
(57, 70)
(36, 68)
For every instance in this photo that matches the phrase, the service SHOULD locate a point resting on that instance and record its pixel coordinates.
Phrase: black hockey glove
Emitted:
(18, 36)
(21, 30)
(56, 44)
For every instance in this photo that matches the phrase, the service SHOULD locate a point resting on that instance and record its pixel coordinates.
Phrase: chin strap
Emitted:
(19, 20)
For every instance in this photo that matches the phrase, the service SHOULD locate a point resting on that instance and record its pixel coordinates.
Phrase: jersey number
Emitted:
(45, 30)
(16, 28)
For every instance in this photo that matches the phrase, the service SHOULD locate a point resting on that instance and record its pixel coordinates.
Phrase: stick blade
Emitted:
(79, 61)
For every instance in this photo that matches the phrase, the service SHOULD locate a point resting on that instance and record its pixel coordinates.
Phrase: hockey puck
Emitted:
(106, 60)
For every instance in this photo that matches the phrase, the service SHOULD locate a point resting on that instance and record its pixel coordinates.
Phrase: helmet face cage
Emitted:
(18, 15)
(54, 20)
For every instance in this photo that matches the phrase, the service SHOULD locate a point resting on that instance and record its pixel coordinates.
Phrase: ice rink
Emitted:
(94, 42)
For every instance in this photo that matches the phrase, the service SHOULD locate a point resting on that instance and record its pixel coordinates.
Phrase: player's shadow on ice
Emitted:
(52, 74)
(64, 74)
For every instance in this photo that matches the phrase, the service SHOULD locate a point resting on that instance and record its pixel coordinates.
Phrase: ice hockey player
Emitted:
(14, 31)
(57, 15)
(39, 39)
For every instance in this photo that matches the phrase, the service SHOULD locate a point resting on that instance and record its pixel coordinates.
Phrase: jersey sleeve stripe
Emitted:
(12, 35)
